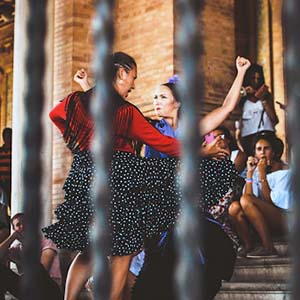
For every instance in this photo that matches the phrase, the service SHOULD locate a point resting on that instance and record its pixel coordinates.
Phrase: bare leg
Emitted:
(78, 274)
(131, 278)
(265, 217)
(238, 219)
(119, 271)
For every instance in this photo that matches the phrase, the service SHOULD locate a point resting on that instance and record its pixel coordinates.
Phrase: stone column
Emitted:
(19, 86)
(278, 73)
(19, 89)
(48, 104)
(264, 55)
(270, 56)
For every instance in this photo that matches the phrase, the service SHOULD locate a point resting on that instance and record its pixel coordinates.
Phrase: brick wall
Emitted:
(145, 30)
(6, 62)
(217, 34)
(72, 50)
(218, 31)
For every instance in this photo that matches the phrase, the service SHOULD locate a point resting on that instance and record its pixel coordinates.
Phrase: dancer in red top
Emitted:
(144, 198)
(141, 209)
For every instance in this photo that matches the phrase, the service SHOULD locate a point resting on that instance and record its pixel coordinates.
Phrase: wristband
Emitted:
(263, 180)
(248, 180)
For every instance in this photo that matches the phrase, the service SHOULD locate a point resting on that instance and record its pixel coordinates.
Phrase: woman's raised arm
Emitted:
(214, 118)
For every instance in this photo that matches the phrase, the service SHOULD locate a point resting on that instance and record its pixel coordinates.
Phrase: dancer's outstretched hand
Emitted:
(81, 78)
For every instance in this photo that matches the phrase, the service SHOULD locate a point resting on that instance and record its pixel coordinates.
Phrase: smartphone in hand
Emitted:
(209, 138)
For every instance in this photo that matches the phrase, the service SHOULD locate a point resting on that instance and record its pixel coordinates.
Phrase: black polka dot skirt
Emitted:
(144, 200)
(216, 178)
(72, 231)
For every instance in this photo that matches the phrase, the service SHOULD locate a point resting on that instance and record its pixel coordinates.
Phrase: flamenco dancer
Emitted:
(218, 175)
(129, 223)
(144, 194)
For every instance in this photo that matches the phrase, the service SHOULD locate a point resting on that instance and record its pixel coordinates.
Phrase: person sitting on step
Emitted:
(267, 198)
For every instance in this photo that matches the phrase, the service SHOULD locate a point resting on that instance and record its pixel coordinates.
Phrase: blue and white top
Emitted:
(165, 128)
(280, 185)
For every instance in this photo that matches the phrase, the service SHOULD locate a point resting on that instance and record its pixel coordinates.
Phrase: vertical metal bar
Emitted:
(102, 147)
(291, 23)
(32, 142)
(188, 275)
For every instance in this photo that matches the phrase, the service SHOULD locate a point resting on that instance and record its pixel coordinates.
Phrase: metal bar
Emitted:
(291, 23)
(102, 148)
(32, 143)
(188, 39)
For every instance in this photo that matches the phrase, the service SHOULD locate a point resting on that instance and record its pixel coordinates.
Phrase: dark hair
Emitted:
(275, 142)
(121, 59)
(2, 70)
(16, 216)
(254, 68)
(232, 144)
(173, 88)
(6, 133)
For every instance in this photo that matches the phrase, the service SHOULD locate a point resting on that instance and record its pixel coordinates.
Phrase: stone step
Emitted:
(280, 243)
(282, 248)
(254, 291)
(262, 269)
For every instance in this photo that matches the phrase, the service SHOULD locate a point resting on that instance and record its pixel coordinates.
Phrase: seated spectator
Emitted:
(49, 269)
(266, 200)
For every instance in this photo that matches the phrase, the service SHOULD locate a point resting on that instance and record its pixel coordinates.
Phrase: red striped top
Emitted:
(129, 126)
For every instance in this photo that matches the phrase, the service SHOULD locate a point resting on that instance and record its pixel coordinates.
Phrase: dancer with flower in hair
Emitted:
(154, 280)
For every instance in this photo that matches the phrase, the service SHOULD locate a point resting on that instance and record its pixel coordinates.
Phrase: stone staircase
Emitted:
(253, 279)
(260, 279)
